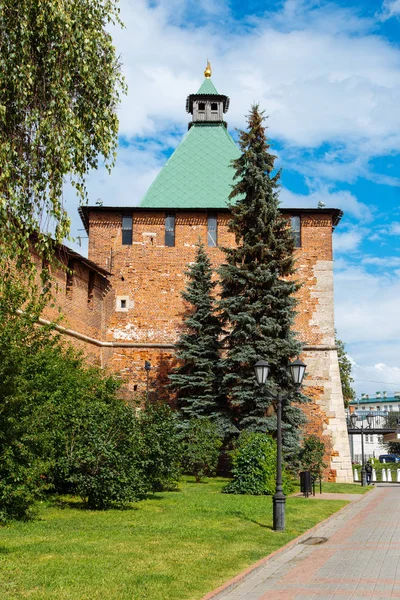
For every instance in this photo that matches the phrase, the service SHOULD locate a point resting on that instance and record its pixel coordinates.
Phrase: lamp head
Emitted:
(261, 369)
(297, 371)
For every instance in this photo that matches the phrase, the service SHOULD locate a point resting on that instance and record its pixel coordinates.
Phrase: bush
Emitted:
(102, 460)
(254, 466)
(160, 447)
(23, 455)
(91, 436)
(201, 446)
(21, 482)
(312, 456)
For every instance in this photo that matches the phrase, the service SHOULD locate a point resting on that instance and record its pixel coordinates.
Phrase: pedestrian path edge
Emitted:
(241, 577)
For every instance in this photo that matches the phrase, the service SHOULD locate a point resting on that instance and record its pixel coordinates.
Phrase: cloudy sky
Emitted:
(328, 76)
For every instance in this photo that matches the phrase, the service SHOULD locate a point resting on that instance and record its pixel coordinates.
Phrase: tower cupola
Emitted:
(207, 106)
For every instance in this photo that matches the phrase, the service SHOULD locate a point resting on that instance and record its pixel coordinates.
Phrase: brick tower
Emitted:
(147, 248)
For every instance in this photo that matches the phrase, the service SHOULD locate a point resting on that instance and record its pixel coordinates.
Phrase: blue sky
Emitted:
(328, 76)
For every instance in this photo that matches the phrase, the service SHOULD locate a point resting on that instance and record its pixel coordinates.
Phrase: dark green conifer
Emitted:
(196, 380)
(258, 290)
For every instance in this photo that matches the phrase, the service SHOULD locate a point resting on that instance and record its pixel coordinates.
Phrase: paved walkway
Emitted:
(360, 558)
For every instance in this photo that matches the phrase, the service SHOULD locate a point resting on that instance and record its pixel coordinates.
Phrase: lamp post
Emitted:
(147, 368)
(353, 420)
(297, 371)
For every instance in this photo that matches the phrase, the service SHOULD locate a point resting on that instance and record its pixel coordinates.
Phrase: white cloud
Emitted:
(390, 8)
(347, 241)
(317, 80)
(386, 262)
(366, 316)
(366, 310)
(379, 377)
(298, 14)
(342, 199)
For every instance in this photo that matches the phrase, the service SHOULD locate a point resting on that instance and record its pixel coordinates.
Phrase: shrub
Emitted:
(21, 482)
(102, 460)
(23, 456)
(312, 456)
(254, 466)
(92, 437)
(201, 446)
(160, 447)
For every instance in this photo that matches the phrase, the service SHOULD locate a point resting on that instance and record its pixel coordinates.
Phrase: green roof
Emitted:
(374, 400)
(207, 87)
(199, 173)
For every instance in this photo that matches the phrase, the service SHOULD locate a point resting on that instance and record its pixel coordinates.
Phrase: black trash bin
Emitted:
(305, 483)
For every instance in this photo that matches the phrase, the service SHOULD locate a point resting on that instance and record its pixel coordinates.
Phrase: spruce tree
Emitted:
(196, 380)
(258, 291)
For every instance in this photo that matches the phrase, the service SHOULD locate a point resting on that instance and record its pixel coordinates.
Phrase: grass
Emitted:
(338, 488)
(173, 546)
(342, 488)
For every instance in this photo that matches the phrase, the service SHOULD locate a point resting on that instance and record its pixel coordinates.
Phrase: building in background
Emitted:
(374, 443)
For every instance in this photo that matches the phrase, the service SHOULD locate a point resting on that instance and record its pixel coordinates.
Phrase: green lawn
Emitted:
(174, 546)
(343, 488)
(338, 488)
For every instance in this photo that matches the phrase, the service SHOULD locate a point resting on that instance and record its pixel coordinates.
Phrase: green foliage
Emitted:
(102, 462)
(63, 427)
(345, 373)
(59, 92)
(23, 455)
(160, 447)
(77, 434)
(201, 447)
(312, 456)
(392, 447)
(197, 380)
(99, 448)
(258, 291)
(254, 466)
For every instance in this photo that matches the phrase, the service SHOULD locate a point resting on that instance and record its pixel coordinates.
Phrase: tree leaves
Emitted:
(60, 86)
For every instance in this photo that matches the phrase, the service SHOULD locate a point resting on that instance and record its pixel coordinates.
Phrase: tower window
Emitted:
(202, 106)
(212, 231)
(214, 106)
(296, 231)
(126, 231)
(170, 230)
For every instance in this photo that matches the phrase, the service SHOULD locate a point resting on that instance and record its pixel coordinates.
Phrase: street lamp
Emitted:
(147, 368)
(353, 420)
(297, 370)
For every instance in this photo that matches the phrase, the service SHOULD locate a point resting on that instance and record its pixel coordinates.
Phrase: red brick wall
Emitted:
(152, 275)
(83, 303)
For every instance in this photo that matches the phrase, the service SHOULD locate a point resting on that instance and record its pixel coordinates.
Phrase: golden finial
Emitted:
(207, 72)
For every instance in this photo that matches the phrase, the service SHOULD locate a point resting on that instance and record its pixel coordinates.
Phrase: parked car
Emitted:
(389, 458)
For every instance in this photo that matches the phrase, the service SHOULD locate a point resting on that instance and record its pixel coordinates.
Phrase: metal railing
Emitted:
(379, 422)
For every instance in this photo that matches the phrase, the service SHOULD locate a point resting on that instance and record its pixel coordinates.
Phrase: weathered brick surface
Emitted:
(84, 301)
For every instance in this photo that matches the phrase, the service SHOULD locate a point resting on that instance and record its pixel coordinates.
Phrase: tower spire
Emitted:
(207, 105)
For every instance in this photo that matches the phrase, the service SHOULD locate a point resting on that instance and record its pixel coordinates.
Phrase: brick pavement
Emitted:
(359, 560)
